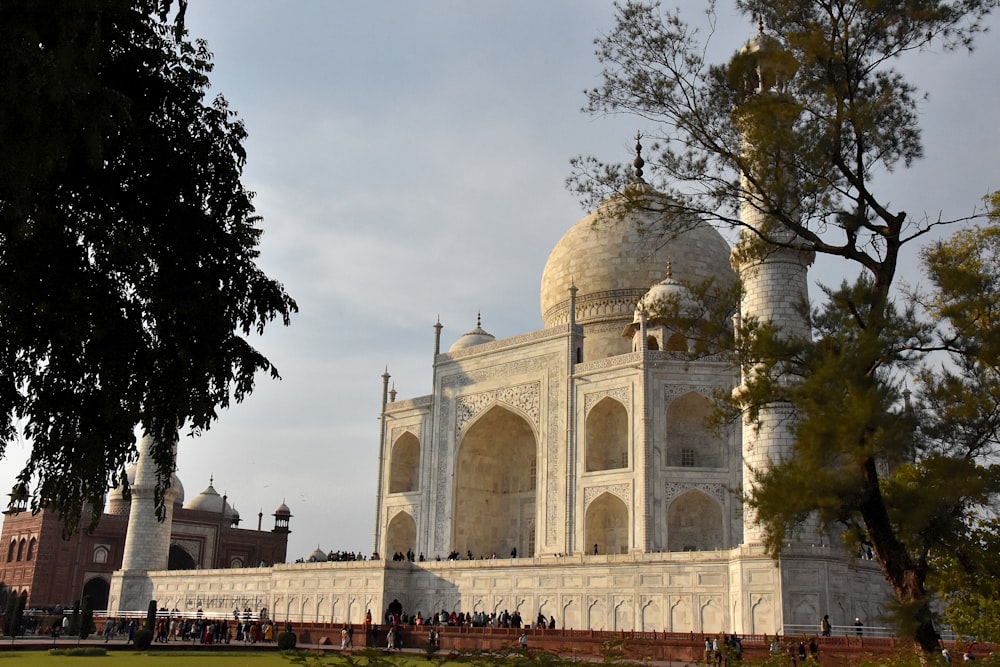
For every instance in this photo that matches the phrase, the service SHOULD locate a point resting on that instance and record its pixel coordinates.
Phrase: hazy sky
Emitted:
(409, 160)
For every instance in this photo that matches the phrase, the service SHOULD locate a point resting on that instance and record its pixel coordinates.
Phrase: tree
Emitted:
(86, 618)
(128, 245)
(781, 142)
(8, 615)
(17, 622)
(74, 621)
(963, 268)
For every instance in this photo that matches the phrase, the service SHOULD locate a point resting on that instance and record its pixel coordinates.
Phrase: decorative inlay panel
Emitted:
(391, 512)
(672, 391)
(524, 397)
(629, 359)
(718, 491)
(621, 394)
(399, 430)
(622, 491)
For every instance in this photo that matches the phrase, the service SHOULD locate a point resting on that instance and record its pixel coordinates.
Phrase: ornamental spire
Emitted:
(638, 162)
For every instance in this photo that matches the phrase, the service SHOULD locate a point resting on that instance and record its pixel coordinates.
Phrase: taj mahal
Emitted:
(572, 469)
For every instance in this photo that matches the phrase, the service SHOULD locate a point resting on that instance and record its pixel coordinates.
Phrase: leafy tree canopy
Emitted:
(782, 142)
(128, 282)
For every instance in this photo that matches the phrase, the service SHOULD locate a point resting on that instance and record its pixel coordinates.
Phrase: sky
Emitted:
(409, 160)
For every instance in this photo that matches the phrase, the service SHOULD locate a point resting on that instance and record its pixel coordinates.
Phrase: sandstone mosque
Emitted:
(572, 463)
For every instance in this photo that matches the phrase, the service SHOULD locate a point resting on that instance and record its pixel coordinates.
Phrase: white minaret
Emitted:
(775, 279)
(147, 542)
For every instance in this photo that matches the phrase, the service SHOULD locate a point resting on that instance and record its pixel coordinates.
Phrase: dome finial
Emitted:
(479, 319)
(638, 162)
(670, 268)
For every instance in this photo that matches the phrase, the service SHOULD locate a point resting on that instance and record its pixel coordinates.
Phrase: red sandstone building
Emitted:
(205, 533)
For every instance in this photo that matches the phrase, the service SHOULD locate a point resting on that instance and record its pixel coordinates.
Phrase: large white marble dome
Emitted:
(615, 254)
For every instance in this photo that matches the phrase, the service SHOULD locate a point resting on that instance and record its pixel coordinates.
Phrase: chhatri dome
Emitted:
(475, 337)
(655, 303)
(209, 500)
(615, 253)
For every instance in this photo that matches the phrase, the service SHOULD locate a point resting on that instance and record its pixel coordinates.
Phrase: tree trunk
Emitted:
(904, 575)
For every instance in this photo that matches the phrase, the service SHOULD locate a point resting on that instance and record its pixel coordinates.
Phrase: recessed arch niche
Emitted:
(401, 535)
(607, 436)
(694, 523)
(690, 441)
(495, 485)
(179, 559)
(404, 464)
(607, 525)
(98, 590)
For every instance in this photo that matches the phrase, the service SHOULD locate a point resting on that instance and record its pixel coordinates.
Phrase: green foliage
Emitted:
(8, 615)
(781, 142)
(80, 651)
(142, 639)
(286, 641)
(128, 282)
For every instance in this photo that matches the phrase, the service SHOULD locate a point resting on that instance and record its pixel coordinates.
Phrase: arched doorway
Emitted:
(607, 436)
(404, 464)
(400, 535)
(179, 559)
(691, 443)
(694, 523)
(494, 494)
(98, 590)
(607, 525)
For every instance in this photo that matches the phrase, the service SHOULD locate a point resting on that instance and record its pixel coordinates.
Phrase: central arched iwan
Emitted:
(494, 501)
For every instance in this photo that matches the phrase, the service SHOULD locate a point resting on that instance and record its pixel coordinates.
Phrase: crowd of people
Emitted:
(341, 556)
(194, 630)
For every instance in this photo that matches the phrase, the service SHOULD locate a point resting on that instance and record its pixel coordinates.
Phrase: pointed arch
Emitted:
(32, 548)
(762, 617)
(607, 436)
(400, 534)
(495, 490)
(179, 559)
(694, 523)
(680, 617)
(607, 525)
(690, 441)
(98, 589)
(404, 464)
(652, 616)
(711, 617)
(597, 615)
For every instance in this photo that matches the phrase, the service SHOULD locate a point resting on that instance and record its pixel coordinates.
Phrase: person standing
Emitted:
(825, 627)
(524, 640)
(858, 625)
